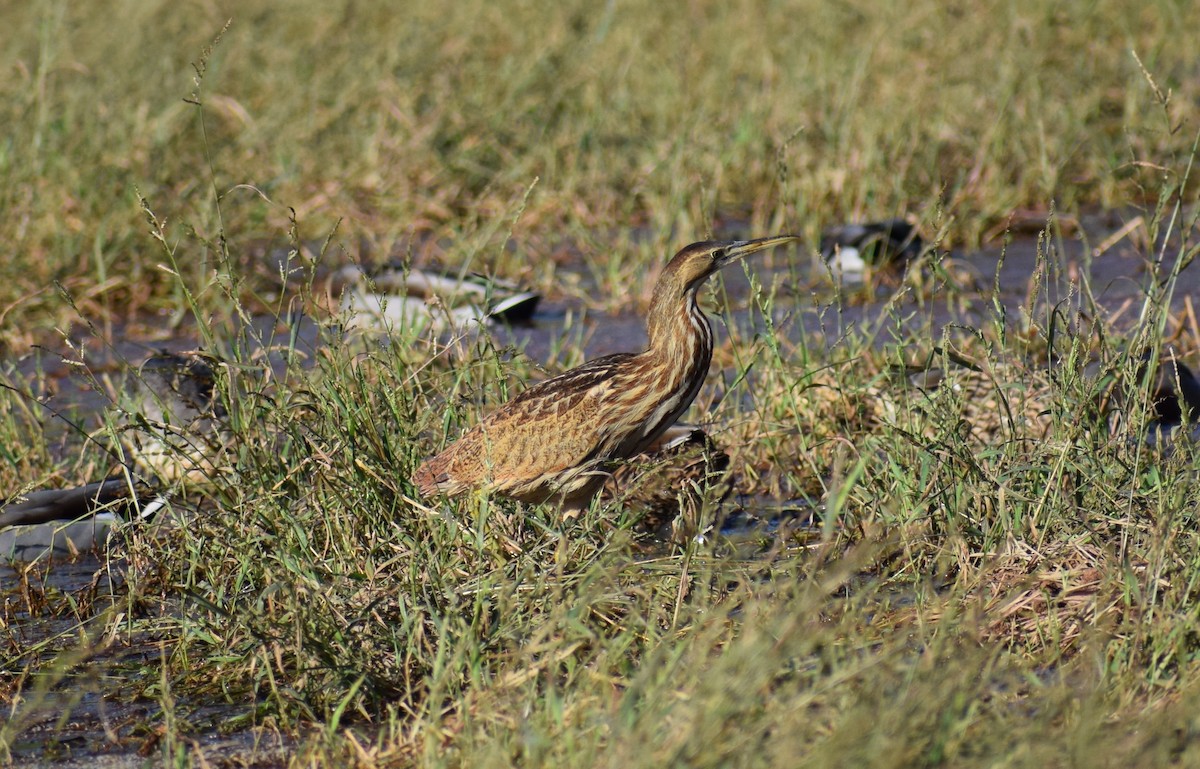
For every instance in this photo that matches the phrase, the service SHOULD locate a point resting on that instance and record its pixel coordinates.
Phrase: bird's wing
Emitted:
(551, 427)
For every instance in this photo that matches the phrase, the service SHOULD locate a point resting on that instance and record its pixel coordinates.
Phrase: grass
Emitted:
(1011, 583)
(632, 119)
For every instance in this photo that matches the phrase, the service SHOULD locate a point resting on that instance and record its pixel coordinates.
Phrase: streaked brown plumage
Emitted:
(557, 440)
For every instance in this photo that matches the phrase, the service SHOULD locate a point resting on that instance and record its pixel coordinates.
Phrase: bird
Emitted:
(851, 249)
(398, 296)
(559, 440)
(1174, 401)
(174, 438)
(180, 421)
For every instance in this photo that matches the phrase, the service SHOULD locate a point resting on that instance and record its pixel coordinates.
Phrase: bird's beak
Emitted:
(743, 248)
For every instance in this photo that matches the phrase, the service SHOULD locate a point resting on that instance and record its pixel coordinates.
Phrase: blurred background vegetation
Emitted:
(412, 118)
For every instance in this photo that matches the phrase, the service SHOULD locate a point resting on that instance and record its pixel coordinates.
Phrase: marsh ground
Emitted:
(999, 575)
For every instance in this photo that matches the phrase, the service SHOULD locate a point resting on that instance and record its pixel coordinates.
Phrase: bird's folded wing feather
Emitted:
(554, 425)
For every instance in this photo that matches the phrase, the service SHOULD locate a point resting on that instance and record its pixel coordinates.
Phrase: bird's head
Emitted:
(693, 264)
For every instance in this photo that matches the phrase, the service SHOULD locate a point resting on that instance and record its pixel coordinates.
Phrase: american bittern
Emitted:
(558, 440)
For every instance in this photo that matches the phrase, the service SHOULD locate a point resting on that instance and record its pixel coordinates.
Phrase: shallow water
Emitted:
(997, 284)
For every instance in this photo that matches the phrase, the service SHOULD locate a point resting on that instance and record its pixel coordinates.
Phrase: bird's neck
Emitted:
(680, 335)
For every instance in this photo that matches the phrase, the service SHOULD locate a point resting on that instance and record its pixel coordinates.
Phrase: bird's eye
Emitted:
(718, 255)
